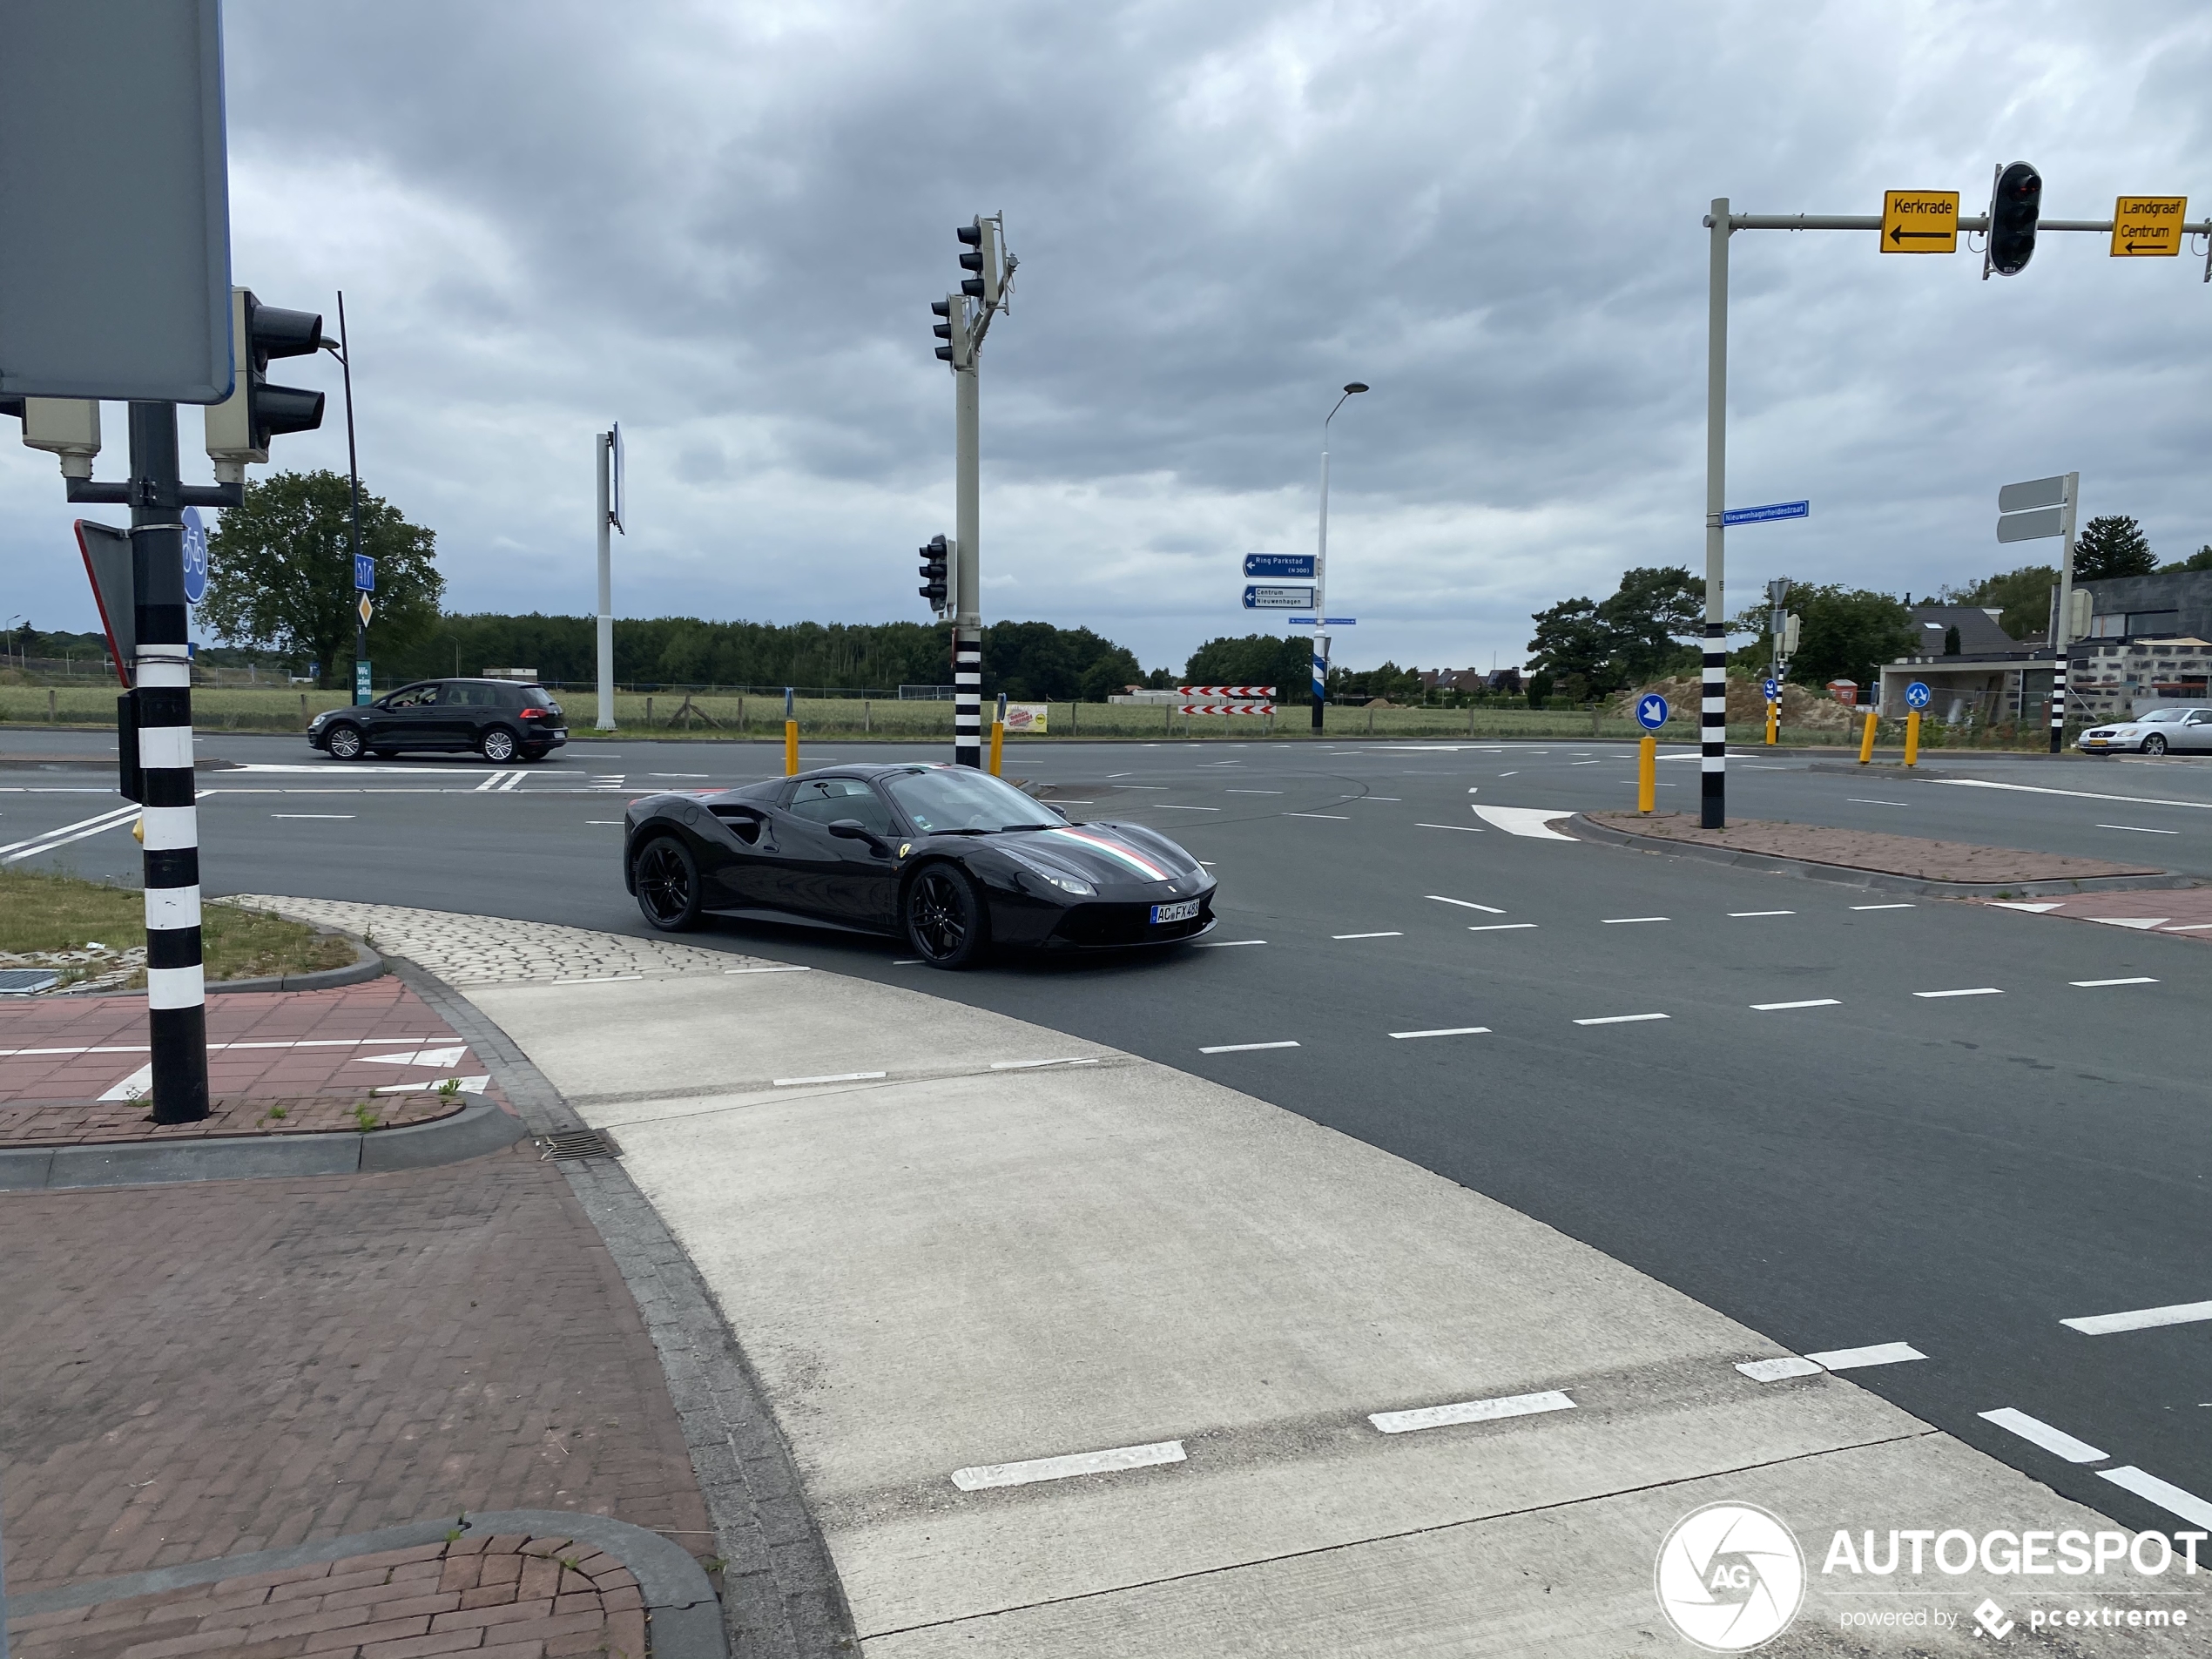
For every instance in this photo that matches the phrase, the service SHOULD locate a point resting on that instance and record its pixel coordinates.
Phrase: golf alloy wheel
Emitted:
(2153, 745)
(498, 745)
(668, 884)
(344, 743)
(945, 917)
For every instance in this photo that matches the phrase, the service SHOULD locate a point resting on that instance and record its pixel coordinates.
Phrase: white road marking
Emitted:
(431, 1085)
(1172, 806)
(1471, 829)
(493, 781)
(451, 1057)
(1060, 1468)
(316, 815)
(598, 979)
(1366, 935)
(2078, 794)
(1031, 1065)
(2039, 1433)
(2172, 1499)
(1977, 990)
(1448, 1031)
(1581, 762)
(1761, 912)
(2139, 829)
(1885, 906)
(1882, 1353)
(1503, 775)
(1622, 921)
(133, 1086)
(782, 968)
(831, 1077)
(902, 961)
(114, 818)
(1532, 821)
(1471, 1411)
(1245, 1048)
(1862, 800)
(2103, 1324)
(1498, 926)
(2019, 904)
(1811, 1002)
(2187, 927)
(2093, 984)
(1465, 904)
(2142, 924)
(609, 823)
(1341, 817)
(1620, 1019)
(1767, 1371)
(1251, 791)
(1226, 944)
(1374, 797)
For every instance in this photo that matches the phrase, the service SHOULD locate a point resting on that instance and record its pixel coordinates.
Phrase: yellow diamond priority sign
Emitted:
(366, 609)
(2147, 227)
(1919, 221)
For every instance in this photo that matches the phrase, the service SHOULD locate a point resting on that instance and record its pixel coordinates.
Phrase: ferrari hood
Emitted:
(1110, 854)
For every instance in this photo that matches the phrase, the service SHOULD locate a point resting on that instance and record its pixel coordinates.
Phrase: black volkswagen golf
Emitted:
(502, 720)
(952, 859)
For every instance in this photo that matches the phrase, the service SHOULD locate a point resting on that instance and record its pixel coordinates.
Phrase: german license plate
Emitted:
(1181, 912)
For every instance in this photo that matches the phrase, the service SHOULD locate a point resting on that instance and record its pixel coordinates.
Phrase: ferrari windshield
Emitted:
(946, 798)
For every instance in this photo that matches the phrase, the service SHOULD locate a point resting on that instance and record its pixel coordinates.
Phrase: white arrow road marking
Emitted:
(2015, 904)
(1532, 821)
(422, 1057)
(2144, 923)
(133, 1086)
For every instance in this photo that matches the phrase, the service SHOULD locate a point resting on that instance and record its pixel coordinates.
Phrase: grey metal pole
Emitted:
(1321, 589)
(362, 692)
(2062, 625)
(1713, 715)
(967, 618)
(604, 445)
(161, 691)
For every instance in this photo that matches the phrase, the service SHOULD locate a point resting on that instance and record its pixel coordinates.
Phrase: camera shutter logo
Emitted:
(1730, 1577)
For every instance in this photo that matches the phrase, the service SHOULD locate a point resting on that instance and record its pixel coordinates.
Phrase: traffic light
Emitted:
(239, 428)
(981, 236)
(67, 427)
(935, 568)
(2015, 204)
(953, 331)
(1792, 626)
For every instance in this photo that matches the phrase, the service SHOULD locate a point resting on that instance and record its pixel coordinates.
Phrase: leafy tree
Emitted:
(1284, 661)
(1653, 610)
(280, 571)
(2112, 546)
(1539, 689)
(1848, 633)
(1037, 662)
(2023, 598)
(2200, 560)
(1574, 638)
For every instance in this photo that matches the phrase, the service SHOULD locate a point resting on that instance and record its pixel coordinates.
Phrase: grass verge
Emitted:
(43, 913)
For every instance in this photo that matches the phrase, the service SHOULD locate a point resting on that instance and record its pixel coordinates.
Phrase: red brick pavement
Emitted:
(200, 1370)
(494, 1597)
(81, 1122)
(2184, 912)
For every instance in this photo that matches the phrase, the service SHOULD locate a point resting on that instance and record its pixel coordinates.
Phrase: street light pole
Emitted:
(604, 518)
(1713, 715)
(353, 497)
(1321, 569)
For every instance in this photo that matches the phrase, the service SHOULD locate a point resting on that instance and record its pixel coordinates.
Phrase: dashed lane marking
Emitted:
(2093, 984)
(1620, 1019)
(1622, 921)
(1227, 944)
(1862, 800)
(2103, 1324)
(1975, 990)
(1252, 791)
(1471, 829)
(1448, 1031)
(2039, 1433)
(1810, 1002)
(830, 1077)
(783, 968)
(1500, 926)
(326, 816)
(2139, 829)
(1341, 817)
(1172, 806)
(1471, 1411)
(1465, 904)
(1393, 936)
(1245, 1048)
(1062, 1468)
(2168, 1496)
(1739, 914)
(1881, 1354)
(1885, 906)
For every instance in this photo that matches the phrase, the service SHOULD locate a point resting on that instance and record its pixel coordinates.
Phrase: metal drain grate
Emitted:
(580, 1144)
(27, 982)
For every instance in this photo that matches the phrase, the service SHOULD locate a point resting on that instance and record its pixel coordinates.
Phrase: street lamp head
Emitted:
(1354, 385)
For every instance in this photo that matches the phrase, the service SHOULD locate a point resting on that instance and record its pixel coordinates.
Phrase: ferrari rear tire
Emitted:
(945, 921)
(668, 884)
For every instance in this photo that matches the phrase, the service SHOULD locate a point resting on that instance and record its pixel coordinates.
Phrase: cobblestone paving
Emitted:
(486, 950)
(492, 1597)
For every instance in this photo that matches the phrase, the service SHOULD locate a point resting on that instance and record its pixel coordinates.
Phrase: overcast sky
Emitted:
(722, 224)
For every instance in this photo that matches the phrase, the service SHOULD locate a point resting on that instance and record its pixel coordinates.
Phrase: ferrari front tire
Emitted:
(946, 922)
(668, 884)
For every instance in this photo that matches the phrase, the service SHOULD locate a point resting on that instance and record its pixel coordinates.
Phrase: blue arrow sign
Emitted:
(1773, 690)
(1772, 511)
(1651, 712)
(1265, 598)
(195, 557)
(364, 573)
(1917, 695)
(1297, 567)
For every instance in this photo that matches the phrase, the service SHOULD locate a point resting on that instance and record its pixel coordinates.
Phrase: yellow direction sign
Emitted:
(2147, 227)
(366, 609)
(1919, 221)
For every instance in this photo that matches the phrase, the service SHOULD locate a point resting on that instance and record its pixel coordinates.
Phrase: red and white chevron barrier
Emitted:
(1227, 708)
(1218, 692)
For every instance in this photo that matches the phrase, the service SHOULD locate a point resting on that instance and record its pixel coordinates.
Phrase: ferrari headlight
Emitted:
(1064, 879)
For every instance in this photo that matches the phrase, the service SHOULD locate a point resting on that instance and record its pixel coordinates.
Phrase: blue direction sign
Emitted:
(195, 557)
(1917, 695)
(1326, 622)
(1651, 712)
(1296, 567)
(1772, 511)
(1259, 598)
(364, 573)
(1773, 690)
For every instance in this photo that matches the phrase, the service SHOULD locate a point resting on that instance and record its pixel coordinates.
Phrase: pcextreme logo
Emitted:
(1730, 1577)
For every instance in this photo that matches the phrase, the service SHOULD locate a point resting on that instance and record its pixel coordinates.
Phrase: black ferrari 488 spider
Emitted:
(953, 859)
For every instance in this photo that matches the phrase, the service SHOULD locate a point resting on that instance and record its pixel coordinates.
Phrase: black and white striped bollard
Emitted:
(1712, 781)
(968, 697)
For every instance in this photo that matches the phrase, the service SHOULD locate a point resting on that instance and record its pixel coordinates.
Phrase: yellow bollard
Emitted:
(1647, 773)
(1773, 723)
(1867, 742)
(791, 748)
(1912, 737)
(998, 745)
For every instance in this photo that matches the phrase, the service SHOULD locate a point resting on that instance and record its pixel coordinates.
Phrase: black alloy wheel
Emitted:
(668, 884)
(2153, 745)
(344, 742)
(945, 920)
(497, 745)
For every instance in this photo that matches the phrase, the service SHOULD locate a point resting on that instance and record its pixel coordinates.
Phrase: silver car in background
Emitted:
(2179, 730)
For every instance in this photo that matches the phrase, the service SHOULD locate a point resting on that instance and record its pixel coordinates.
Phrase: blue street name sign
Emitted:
(1651, 712)
(1917, 695)
(195, 557)
(1772, 511)
(1773, 690)
(1326, 622)
(364, 573)
(1259, 598)
(1296, 567)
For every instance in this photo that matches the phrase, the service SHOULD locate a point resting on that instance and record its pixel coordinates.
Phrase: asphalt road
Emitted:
(1952, 1142)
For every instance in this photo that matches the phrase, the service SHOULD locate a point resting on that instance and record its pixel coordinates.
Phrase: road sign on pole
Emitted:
(195, 557)
(1763, 515)
(1296, 567)
(365, 609)
(1919, 221)
(364, 573)
(1772, 688)
(1258, 599)
(1326, 622)
(1651, 712)
(1918, 696)
(2147, 227)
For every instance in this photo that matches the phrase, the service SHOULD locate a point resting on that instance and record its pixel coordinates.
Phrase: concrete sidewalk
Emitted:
(1348, 1407)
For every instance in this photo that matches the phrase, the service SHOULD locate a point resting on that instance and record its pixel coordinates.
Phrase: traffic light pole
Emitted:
(1321, 589)
(604, 444)
(161, 680)
(968, 588)
(2062, 625)
(361, 690)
